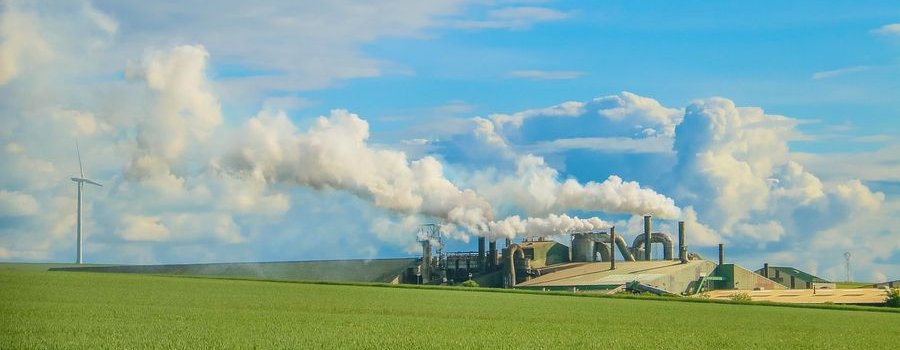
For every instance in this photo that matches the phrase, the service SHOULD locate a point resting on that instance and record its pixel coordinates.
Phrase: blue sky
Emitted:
(768, 126)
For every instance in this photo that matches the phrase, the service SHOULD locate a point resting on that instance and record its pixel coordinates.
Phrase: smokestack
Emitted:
(481, 258)
(426, 261)
(612, 248)
(765, 270)
(682, 244)
(492, 255)
(648, 226)
(721, 253)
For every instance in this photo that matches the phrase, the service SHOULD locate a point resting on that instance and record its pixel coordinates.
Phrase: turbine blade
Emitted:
(92, 182)
(78, 152)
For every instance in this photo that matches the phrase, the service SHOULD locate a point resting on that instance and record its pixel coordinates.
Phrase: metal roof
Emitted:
(803, 276)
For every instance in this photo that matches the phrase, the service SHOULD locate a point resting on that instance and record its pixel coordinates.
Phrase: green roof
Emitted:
(803, 276)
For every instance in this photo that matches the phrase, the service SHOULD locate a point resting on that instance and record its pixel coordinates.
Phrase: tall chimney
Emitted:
(682, 244)
(426, 261)
(612, 248)
(765, 270)
(721, 253)
(648, 226)
(492, 255)
(482, 262)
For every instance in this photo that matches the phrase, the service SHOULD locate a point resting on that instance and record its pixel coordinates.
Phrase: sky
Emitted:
(273, 130)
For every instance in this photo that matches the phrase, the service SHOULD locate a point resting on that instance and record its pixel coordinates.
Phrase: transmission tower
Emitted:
(847, 264)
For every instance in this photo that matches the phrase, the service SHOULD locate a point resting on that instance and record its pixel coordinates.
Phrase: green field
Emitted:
(851, 285)
(80, 310)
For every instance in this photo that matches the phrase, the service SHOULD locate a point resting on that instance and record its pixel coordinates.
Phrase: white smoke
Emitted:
(335, 153)
(552, 225)
(537, 189)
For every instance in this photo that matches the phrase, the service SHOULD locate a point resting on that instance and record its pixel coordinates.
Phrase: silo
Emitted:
(582, 248)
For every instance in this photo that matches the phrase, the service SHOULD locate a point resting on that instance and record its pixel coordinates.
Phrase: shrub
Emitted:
(893, 298)
(469, 283)
(741, 297)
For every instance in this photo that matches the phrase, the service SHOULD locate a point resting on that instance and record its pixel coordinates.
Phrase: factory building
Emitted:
(596, 261)
(793, 278)
(888, 284)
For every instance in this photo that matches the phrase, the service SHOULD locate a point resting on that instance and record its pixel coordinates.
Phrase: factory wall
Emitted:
(679, 281)
(737, 277)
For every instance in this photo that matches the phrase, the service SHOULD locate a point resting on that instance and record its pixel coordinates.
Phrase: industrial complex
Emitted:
(599, 262)
(596, 261)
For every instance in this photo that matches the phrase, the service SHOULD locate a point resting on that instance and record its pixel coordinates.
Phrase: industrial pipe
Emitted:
(510, 263)
(648, 226)
(682, 244)
(482, 262)
(612, 255)
(657, 237)
(492, 255)
(583, 246)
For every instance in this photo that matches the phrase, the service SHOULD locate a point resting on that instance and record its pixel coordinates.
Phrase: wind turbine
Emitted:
(80, 181)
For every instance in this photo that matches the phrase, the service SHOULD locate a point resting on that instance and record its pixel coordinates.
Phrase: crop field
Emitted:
(80, 310)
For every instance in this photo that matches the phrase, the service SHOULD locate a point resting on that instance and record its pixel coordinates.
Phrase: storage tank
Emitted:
(582, 248)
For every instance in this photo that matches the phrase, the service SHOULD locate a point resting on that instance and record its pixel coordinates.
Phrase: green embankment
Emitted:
(852, 285)
(77, 310)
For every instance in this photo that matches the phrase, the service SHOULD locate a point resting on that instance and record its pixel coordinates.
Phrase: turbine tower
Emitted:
(80, 181)
(847, 264)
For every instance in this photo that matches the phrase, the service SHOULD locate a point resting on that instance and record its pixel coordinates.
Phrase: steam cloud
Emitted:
(335, 153)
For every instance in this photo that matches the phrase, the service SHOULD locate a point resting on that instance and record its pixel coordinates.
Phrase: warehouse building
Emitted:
(793, 278)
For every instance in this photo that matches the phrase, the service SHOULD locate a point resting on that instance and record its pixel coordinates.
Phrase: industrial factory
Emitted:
(599, 262)
(596, 261)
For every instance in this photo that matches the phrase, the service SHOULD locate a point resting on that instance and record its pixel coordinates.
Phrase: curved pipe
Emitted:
(656, 237)
(601, 237)
(510, 265)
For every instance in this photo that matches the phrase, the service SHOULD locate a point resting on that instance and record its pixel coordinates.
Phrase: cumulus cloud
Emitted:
(625, 113)
(142, 228)
(21, 42)
(185, 111)
(14, 203)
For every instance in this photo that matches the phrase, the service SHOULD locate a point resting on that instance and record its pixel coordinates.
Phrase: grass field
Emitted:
(40, 309)
(851, 285)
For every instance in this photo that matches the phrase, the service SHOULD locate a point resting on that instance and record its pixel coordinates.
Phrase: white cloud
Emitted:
(142, 228)
(877, 165)
(515, 18)
(888, 29)
(603, 144)
(185, 111)
(102, 20)
(617, 114)
(839, 72)
(13, 203)
(546, 74)
(21, 42)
